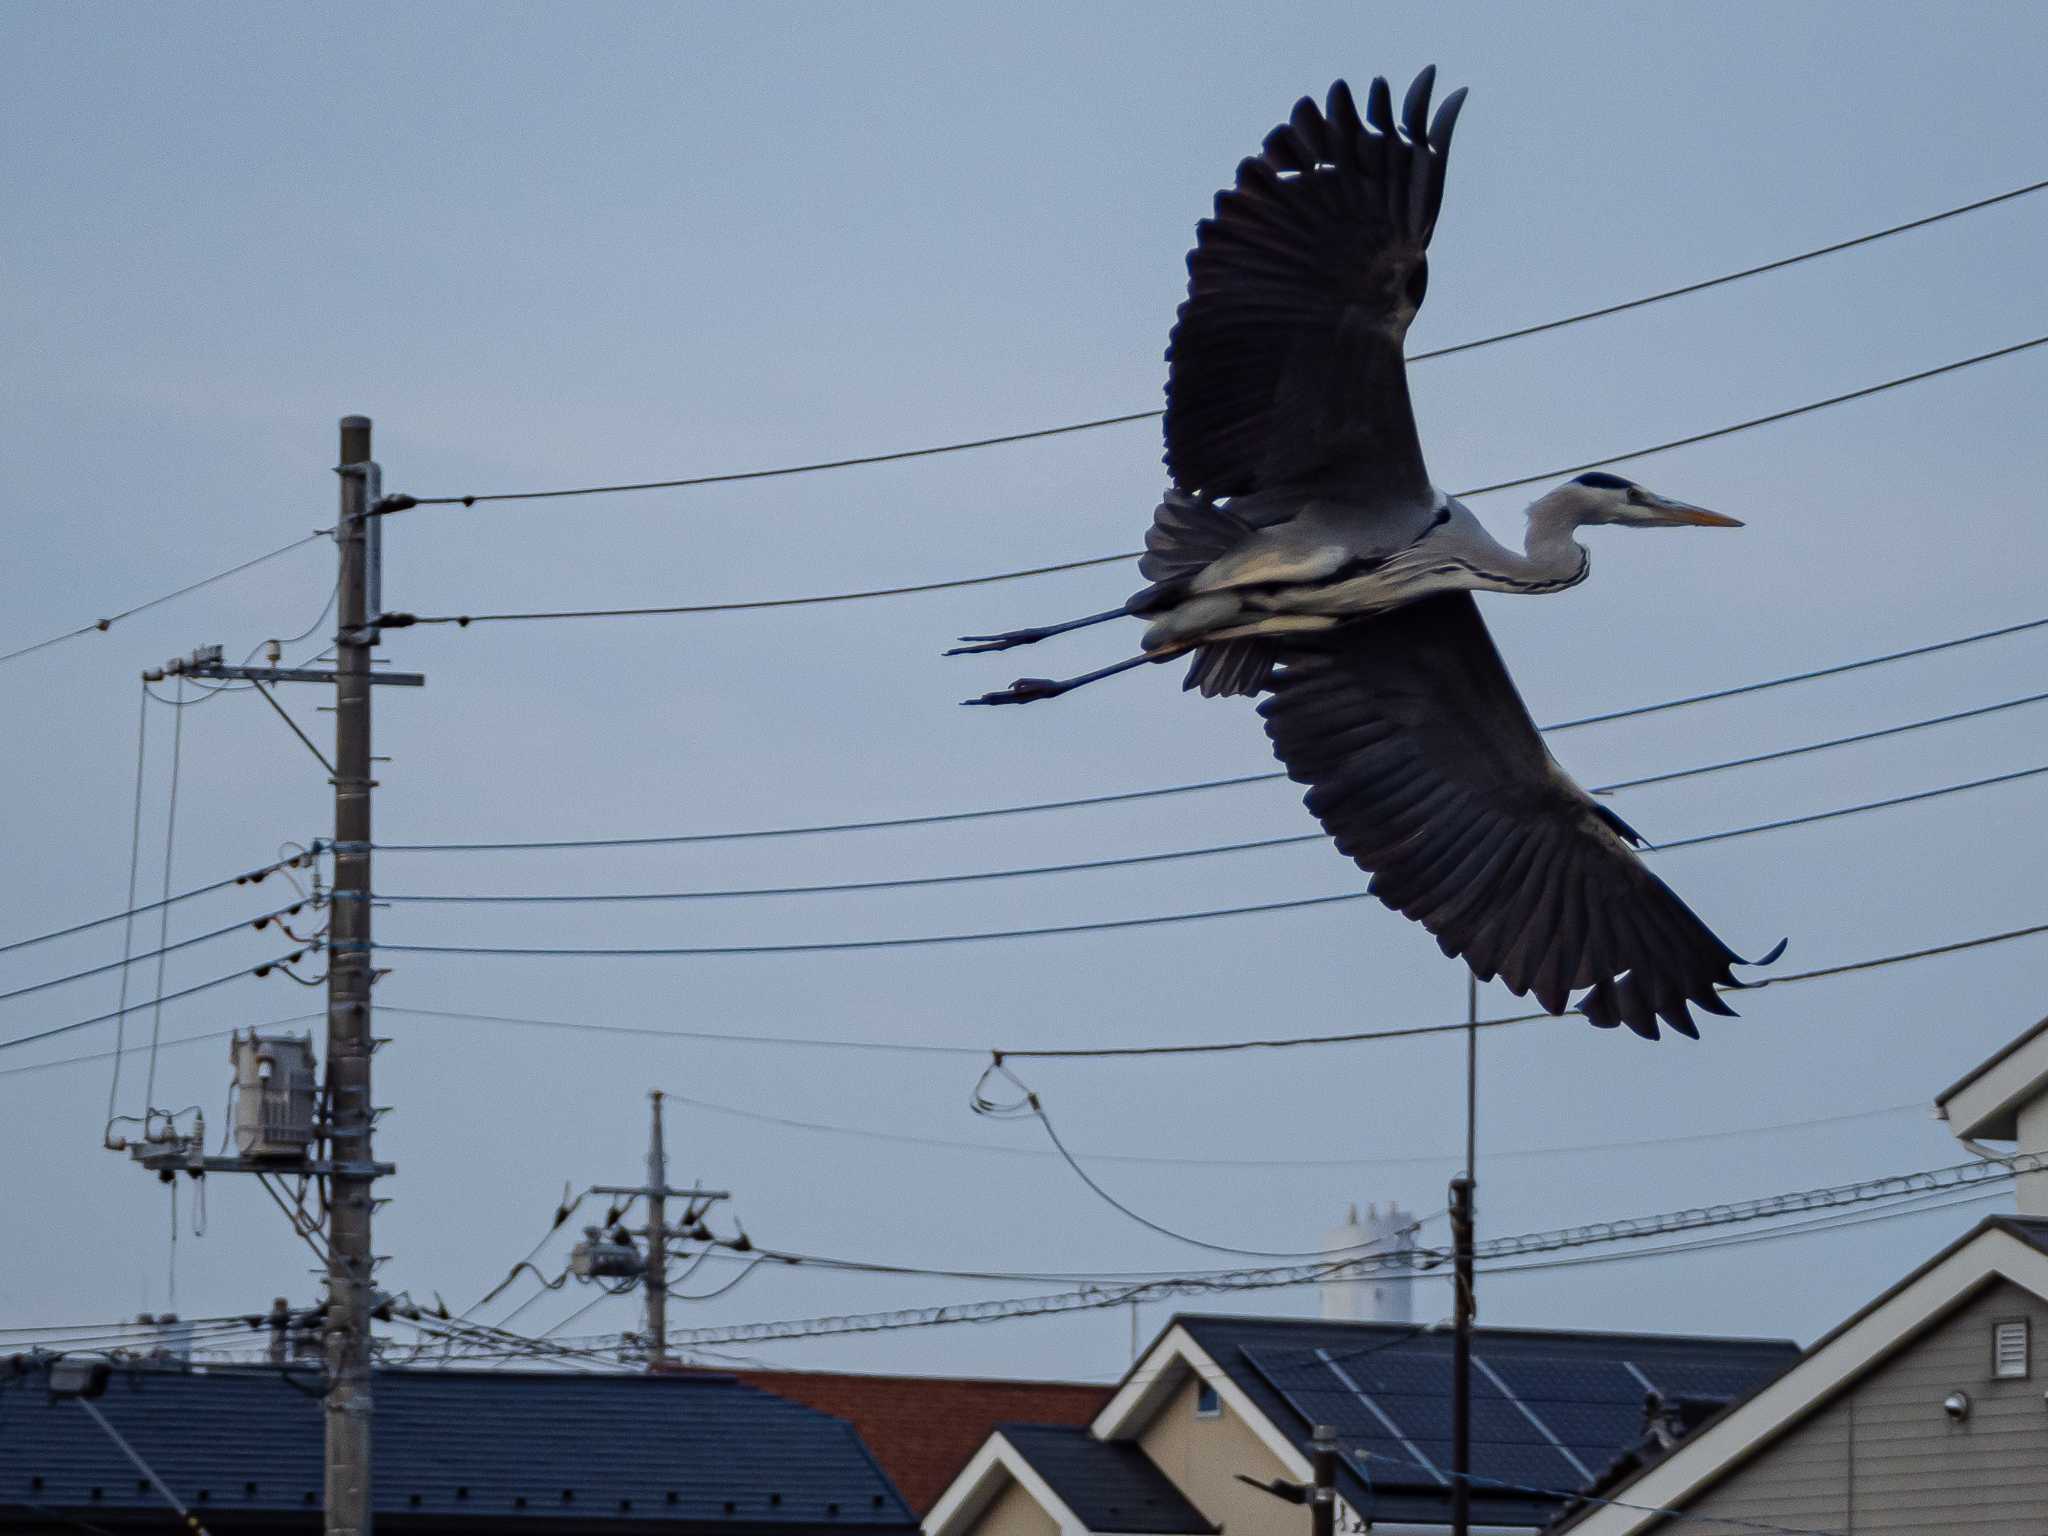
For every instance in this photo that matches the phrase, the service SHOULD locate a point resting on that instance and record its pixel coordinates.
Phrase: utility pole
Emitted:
(1461, 1359)
(1322, 1509)
(596, 1259)
(349, 1038)
(657, 1241)
(348, 1163)
(1466, 1308)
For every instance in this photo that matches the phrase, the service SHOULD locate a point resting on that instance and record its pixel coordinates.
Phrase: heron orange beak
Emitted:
(1684, 514)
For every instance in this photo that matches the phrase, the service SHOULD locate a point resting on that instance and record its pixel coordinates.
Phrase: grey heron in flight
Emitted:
(1302, 551)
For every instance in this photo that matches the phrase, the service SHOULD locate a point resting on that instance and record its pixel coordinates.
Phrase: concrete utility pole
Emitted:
(1461, 1358)
(653, 1273)
(1466, 1305)
(348, 1111)
(349, 1038)
(1322, 1509)
(657, 1241)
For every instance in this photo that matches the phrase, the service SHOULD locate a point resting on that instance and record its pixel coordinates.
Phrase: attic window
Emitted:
(1207, 1404)
(2009, 1348)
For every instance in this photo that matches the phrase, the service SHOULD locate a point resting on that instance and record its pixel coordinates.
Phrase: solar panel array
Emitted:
(1549, 1422)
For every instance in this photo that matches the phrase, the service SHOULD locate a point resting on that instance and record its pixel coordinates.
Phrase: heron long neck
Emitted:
(1552, 557)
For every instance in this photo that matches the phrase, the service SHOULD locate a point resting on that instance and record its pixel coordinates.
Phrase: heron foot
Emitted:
(975, 644)
(1025, 690)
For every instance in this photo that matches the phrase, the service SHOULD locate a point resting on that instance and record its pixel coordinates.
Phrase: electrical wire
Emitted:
(1683, 290)
(99, 626)
(1416, 1031)
(1632, 712)
(1782, 753)
(250, 877)
(717, 1291)
(601, 1296)
(927, 940)
(263, 969)
(919, 1048)
(1030, 1104)
(727, 1037)
(1915, 1205)
(866, 1133)
(1097, 1297)
(156, 1018)
(1289, 840)
(255, 924)
(171, 1044)
(400, 620)
(128, 917)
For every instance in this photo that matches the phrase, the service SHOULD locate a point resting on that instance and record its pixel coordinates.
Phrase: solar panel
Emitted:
(1395, 1406)
(1551, 1411)
(1595, 1407)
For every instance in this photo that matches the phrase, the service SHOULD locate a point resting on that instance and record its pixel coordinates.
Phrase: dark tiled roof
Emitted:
(2032, 1230)
(1109, 1485)
(1588, 1389)
(924, 1429)
(678, 1453)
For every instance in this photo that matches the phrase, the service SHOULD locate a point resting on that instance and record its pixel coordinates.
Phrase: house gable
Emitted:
(1204, 1453)
(1884, 1453)
(1870, 1388)
(990, 1495)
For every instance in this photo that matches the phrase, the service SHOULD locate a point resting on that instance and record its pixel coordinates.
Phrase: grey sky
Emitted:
(547, 246)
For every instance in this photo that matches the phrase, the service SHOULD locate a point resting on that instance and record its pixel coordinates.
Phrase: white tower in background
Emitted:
(1387, 1296)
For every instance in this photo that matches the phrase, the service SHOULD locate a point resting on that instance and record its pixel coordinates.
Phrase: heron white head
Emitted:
(1599, 497)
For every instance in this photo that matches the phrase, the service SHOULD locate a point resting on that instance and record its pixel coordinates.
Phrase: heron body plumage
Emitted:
(1303, 552)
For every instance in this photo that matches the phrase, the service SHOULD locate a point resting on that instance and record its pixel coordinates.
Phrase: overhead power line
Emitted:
(401, 620)
(1890, 1190)
(1166, 1160)
(98, 626)
(721, 1037)
(199, 1039)
(1110, 925)
(249, 877)
(1108, 1291)
(920, 1048)
(1813, 674)
(255, 924)
(263, 969)
(1002, 1149)
(1289, 840)
(1778, 264)
(1416, 1031)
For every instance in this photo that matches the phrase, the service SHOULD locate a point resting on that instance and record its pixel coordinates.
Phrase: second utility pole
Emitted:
(656, 1191)
(1465, 1303)
(350, 1260)
(657, 1242)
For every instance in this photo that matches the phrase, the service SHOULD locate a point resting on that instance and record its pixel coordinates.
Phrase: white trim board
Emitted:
(1151, 1383)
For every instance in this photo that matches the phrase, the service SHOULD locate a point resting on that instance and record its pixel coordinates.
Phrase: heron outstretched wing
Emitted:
(1424, 765)
(1286, 361)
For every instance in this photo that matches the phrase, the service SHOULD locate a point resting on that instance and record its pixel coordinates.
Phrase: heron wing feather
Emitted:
(1286, 361)
(1423, 764)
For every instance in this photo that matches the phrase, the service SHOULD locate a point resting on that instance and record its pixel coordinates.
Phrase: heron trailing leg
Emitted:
(1012, 637)
(1027, 690)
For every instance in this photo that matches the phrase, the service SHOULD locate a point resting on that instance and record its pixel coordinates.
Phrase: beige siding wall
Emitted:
(1014, 1513)
(1885, 1457)
(1203, 1458)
